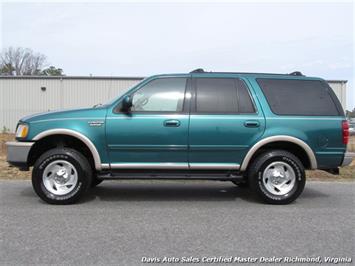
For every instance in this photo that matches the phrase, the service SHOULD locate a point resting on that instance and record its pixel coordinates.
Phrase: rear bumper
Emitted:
(17, 153)
(348, 157)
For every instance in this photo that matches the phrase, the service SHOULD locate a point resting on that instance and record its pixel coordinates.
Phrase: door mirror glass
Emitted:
(126, 103)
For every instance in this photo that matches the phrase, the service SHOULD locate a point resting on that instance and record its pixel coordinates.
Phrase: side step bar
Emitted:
(126, 175)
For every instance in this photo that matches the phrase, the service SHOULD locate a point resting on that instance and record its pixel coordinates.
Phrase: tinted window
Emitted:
(219, 95)
(299, 97)
(159, 95)
(244, 101)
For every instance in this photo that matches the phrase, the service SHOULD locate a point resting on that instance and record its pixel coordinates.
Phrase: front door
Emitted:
(224, 122)
(154, 133)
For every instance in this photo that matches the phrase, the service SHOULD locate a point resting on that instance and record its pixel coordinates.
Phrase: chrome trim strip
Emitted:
(177, 166)
(301, 143)
(105, 166)
(305, 118)
(214, 166)
(76, 134)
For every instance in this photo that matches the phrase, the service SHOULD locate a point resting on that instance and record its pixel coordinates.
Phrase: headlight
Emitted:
(22, 131)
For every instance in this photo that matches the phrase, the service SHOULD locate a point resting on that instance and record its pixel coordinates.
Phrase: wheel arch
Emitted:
(278, 140)
(76, 135)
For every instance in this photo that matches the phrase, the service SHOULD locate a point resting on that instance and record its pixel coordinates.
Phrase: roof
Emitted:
(200, 70)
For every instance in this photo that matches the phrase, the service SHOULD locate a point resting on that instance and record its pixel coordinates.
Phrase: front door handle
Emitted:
(171, 123)
(251, 123)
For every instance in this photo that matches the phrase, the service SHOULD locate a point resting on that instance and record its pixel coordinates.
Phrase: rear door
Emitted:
(224, 122)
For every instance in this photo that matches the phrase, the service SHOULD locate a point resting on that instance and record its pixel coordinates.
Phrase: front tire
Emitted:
(61, 176)
(277, 177)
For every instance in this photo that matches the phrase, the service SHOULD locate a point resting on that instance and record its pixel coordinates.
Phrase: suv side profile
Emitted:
(254, 129)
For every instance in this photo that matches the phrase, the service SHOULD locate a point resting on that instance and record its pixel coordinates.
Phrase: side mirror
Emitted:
(126, 103)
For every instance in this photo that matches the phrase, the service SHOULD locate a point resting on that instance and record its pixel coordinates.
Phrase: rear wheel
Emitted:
(277, 177)
(61, 176)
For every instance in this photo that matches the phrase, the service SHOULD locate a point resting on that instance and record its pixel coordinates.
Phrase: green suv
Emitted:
(257, 130)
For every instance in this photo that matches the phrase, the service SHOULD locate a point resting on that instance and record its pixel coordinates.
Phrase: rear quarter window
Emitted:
(300, 97)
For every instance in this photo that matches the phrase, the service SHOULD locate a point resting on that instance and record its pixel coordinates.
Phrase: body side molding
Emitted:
(259, 144)
(80, 136)
(214, 166)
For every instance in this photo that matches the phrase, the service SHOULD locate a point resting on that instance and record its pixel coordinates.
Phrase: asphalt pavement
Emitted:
(123, 222)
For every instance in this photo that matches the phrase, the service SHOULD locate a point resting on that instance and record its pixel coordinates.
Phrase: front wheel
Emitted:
(61, 176)
(277, 177)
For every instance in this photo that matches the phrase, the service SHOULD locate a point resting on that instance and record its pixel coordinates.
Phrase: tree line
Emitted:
(18, 61)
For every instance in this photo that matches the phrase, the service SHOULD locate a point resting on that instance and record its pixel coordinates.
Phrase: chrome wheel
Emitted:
(279, 178)
(60, 177)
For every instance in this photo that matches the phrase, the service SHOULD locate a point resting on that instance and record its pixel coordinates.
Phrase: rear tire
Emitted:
(277, 177)
(61, 176)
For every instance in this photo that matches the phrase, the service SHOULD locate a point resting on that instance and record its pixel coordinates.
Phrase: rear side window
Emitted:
(222, 95)
(299, 97)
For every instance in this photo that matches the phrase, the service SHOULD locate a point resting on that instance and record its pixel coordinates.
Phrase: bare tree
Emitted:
(21, 61)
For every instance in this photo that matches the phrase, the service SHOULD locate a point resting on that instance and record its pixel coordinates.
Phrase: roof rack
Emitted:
(296, 73)
(200, 70)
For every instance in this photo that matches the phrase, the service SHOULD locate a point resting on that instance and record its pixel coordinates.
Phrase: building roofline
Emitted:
(337, 80)
(73, 77)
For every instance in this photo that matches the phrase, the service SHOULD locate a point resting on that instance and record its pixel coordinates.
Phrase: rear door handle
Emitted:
(171, 123)
(251, 123)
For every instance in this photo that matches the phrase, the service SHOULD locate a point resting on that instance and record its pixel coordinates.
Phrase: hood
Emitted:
(67, 113)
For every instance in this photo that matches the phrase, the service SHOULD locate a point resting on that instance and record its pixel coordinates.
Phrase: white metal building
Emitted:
(339, 87)
(21, 96)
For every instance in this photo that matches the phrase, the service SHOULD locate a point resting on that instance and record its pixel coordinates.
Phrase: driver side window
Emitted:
(160, 95)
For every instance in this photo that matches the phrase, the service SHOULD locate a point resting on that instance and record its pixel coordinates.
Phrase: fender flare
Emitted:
(299, 142)
(76, 134)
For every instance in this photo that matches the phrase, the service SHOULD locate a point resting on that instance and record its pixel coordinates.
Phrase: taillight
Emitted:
(346, 134)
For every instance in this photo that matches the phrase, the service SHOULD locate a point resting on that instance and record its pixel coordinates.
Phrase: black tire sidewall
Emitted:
(263, 163)
(73, 157)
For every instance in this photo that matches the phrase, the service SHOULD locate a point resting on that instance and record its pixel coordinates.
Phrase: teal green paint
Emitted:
(142, 138)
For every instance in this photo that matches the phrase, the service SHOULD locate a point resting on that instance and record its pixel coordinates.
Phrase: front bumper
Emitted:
(348, 157)
(17, 153)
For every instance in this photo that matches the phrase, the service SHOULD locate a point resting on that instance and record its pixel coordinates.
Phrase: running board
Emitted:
(170, 176)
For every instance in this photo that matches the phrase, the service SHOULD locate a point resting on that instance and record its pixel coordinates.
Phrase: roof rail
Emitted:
(200, 70)
(296, 73)
(197, 70)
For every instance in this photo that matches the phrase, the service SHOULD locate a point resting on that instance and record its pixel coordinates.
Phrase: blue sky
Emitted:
(140, 39)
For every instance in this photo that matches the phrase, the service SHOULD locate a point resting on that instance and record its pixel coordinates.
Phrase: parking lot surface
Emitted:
(122, 222)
